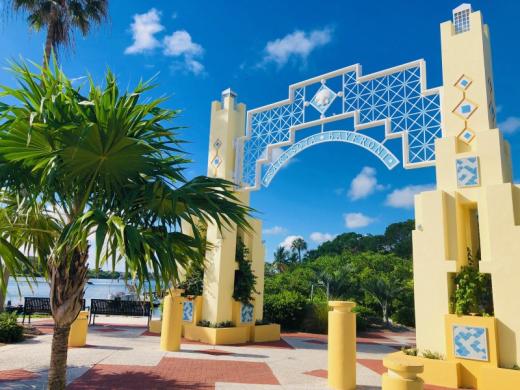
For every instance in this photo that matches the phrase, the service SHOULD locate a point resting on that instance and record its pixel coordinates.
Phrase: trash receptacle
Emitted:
(78, 330)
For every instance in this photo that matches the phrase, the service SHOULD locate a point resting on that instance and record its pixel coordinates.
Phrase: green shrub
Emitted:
(409, 351)
(365, 316)
(10, 330)
(245, 279)
(432, 355)
(316, 317)
(473, 292)
(263, 321)
(223, 324)
(404, 316)
(286, 308)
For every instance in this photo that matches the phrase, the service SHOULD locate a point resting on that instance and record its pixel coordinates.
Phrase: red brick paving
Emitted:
(175, 373)
(375, 365)
(17, 375)
(318, 373)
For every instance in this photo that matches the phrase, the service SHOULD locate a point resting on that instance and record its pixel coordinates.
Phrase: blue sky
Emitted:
(258, 48)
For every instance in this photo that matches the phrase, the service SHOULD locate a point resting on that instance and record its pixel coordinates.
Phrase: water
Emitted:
(100, 289)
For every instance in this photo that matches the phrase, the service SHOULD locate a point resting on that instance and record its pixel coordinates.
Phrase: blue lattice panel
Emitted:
(395, 98)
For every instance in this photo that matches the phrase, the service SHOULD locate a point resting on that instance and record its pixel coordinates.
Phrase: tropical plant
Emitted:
(245, 279)
(382, 278)
(99, 164)
(473, 291)
(281, 259)
(286, 308)
(10, 330)
(60, 17)
(299, 245)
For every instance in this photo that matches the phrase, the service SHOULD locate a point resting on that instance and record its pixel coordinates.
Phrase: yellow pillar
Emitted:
(227, 124)
(172, 322)
(342, 346)
(402, 375)
(78, 330)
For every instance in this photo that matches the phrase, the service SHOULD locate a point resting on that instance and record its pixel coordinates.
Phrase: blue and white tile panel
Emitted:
(467, 172)
(470, 342)
(187, 311)
(246, 313)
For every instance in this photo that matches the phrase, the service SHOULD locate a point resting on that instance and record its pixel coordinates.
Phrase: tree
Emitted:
(398, 238)
(383, 277)
(60, 18)
(281, 259)
(100, 165)
(299, 245)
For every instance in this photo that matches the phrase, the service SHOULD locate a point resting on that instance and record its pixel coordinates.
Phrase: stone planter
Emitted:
(263, 333)
(217, 336)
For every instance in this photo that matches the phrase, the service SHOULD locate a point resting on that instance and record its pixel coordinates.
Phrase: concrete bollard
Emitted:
(171, 327)
(402, 375)
(79, 330)
(342, 346)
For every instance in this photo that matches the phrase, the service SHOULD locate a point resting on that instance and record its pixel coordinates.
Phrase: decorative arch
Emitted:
(351, 137)
(396, 98)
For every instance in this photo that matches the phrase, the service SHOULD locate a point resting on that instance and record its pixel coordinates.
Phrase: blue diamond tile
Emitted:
(465, 109)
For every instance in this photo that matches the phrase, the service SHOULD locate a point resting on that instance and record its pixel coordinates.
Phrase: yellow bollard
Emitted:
(78, 330)
(342, 346)
(171, 328)
(402, 375)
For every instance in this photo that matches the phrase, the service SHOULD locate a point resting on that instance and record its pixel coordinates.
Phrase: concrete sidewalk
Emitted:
(121, 354)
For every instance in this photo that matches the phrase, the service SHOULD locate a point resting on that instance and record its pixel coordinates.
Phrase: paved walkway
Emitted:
(125, 356)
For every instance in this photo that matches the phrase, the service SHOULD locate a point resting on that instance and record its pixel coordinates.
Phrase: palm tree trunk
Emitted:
(2, 295)
(58, 367)
(68, 278)
(48, 48)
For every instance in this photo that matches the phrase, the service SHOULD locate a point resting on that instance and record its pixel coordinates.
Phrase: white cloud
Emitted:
(180, 44)
(144, 28)
(510, 125)
(298, 44)
(364, 184)
(288, 241)
(404, 197)
(357, 220)
(319, 238)
(275, 230)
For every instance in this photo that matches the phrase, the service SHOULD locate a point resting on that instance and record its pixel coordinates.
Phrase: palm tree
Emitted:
(299, 245)
(281, 259)
(103, 167)
(60, 18)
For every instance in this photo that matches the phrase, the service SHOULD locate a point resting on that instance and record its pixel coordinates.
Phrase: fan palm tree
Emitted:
(281, 259)
(299, 245)
(60, 18)
(100, 166)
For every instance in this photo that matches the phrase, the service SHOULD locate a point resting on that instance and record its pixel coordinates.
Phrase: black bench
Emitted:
(37, 305)
(117, 307)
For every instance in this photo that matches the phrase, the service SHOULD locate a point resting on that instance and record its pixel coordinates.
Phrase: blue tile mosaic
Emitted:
(187, 311)
(467, 172)
(470, 342)
(246, 313)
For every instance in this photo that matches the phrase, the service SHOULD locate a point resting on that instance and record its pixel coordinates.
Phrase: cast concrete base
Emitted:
(235, 335)
(449, 373)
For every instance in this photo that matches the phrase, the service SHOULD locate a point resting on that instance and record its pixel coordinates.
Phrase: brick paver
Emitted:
(175, 373)
(16, 375)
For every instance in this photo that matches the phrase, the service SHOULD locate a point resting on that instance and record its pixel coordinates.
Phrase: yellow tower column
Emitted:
(342, 346)
(227, 124)
(475, 205)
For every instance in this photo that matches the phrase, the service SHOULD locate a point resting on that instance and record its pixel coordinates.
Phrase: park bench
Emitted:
(37, 305)
(118, 307)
